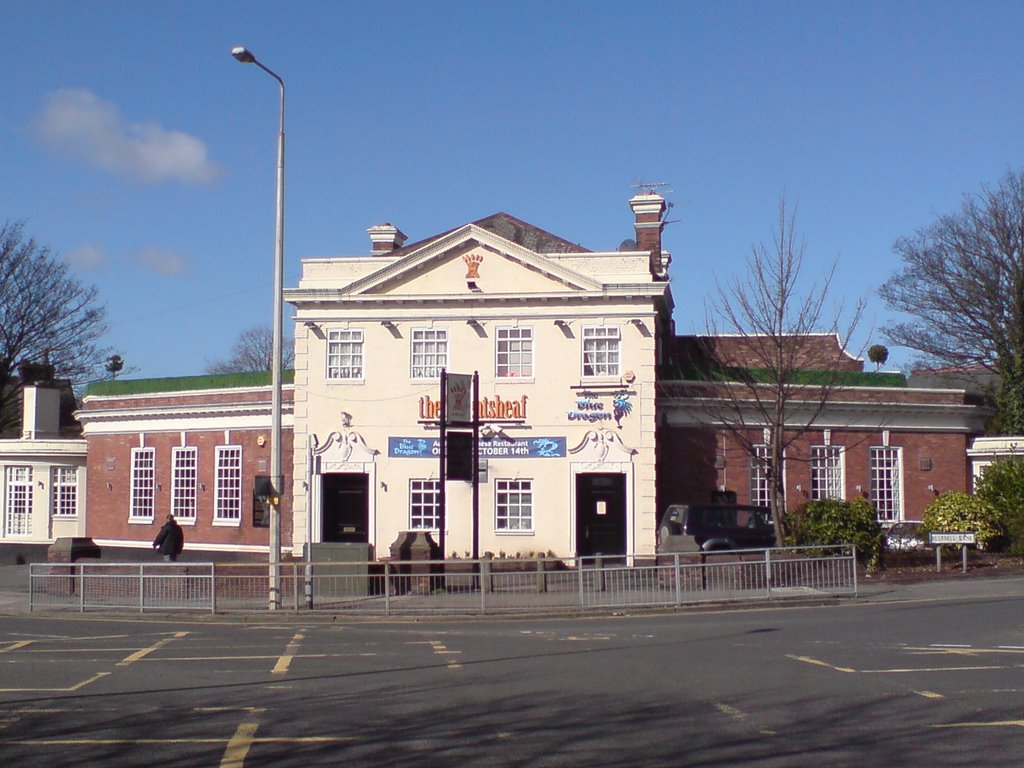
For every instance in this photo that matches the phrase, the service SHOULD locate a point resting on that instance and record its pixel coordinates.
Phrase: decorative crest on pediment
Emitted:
(473, 262)
(601, 445)
(346, 447)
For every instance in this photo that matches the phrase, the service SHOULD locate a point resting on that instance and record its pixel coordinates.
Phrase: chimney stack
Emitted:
(385, 238)
(649, 212)
(41, 414)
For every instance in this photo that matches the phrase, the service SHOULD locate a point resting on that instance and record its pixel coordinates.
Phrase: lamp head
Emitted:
(243, 54)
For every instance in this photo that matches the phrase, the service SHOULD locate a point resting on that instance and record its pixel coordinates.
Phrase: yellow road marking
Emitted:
(441, 650)
(146, 651)
(994, 724)
(116, 742)
(928, 669)
(732, 712)
(76, 687)
(818, 662)
(254, 710)
(737, 714)
(289, 653)
(15, 646)
(238, 747)
(929, 694)
(960, 651)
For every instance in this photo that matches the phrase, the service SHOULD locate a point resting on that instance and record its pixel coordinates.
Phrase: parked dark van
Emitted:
(715, 527)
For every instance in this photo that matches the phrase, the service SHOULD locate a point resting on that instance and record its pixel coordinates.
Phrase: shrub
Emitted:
(955, 511)
(1002, 487)
(831, 521)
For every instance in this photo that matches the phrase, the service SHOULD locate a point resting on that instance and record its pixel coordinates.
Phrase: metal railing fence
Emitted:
(450, 587)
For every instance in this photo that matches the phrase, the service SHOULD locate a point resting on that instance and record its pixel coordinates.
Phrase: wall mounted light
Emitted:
(346, 419)
(641, 326)
(315, 329)
(110, 486)
(857, 488)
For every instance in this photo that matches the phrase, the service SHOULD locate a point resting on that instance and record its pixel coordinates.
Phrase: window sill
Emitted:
(514, 533)
(140, 521)
(227, 523)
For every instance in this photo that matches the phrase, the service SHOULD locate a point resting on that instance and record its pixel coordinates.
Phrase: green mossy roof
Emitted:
(803, 377)
(116, 387)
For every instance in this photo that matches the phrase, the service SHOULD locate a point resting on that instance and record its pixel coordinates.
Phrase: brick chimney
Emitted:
(385, 238)
(649, 212)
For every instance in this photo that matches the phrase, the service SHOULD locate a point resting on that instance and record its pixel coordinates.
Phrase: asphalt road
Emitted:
(917, 682)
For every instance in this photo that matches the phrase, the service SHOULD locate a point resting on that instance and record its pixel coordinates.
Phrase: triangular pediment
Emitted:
(471, 254)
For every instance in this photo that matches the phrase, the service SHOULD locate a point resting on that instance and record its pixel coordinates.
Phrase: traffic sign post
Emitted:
(939, 538)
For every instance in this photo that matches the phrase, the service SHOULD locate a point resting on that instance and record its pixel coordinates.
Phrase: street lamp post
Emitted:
(277, 480)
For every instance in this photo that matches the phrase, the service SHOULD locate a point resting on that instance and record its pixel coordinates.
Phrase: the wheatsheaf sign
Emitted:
(487, 408)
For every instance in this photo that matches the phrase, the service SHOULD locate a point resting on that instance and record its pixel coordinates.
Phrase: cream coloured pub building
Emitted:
(565, 343)
(588, 425)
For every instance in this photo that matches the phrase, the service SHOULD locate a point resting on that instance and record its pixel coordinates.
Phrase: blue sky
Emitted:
(139, 150)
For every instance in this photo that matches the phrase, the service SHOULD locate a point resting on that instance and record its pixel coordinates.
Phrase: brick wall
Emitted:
(687, 471)
(109, 485)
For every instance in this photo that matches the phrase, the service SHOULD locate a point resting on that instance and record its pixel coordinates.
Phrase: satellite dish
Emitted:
(629, 244)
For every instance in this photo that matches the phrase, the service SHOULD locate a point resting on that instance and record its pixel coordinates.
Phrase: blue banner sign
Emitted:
(524, 448)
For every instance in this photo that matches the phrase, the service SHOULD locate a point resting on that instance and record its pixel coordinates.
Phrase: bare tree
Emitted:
(253, 351)
(962, 282)
(764, 352)
(45, 314)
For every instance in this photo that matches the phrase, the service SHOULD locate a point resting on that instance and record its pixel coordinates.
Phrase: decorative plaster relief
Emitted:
(344, 448)
(602, 445)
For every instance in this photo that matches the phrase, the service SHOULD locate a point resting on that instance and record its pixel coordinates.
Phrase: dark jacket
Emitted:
(171, 539)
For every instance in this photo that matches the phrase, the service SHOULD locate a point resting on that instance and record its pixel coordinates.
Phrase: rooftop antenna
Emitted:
(650, 187)
(645, 187)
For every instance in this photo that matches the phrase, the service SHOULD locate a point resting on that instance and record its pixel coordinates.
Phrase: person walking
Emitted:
(170, 540)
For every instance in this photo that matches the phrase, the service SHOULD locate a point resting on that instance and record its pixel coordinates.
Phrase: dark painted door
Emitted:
(600, 514)
(346, 508)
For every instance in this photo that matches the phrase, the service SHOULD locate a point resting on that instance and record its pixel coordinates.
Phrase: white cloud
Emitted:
(81, 125)
(88, 258)
(163, 261)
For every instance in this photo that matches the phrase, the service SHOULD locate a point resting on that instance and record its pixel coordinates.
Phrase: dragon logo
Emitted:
(621, 407)
(546, 447)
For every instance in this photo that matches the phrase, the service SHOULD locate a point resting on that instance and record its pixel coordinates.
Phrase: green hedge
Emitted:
(832, 521)
(962, 513)
(1002, 487)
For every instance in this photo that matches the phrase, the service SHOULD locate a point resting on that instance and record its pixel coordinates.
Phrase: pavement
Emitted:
(14, 584)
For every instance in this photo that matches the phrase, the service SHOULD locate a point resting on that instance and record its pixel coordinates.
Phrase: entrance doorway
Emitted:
(600, 514)
(346, 508)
